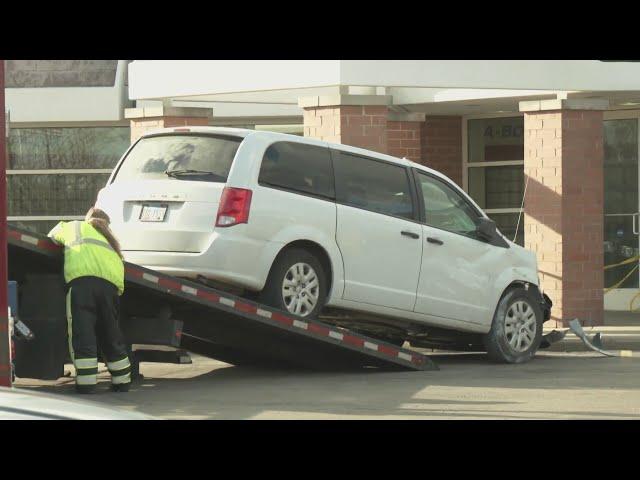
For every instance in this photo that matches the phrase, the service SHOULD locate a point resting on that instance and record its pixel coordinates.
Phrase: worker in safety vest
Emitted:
(94, 276)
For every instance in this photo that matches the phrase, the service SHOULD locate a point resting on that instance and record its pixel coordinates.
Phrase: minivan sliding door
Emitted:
(380, 243)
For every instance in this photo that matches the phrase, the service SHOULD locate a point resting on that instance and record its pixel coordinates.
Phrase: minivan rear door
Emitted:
(164, 195)
(380, 242)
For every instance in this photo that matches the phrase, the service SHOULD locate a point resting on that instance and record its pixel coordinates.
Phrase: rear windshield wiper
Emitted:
(179, 173)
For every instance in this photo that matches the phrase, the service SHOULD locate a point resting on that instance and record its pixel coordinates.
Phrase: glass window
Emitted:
(621, 166)
(372, 185)
(496, 139)
(298, 167)
(445, 208)
(491, 140)
(62, 148)
(58, 194)
(208, 157)
(497, 187)
(620, 200)
(507, 223)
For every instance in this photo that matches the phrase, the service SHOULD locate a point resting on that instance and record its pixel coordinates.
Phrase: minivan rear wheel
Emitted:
(297, 284)
(516, 331)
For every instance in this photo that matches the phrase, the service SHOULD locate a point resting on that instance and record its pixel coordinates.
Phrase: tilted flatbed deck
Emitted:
(223, 326)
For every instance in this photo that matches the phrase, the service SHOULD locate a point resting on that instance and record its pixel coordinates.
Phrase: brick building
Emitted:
(548, 148)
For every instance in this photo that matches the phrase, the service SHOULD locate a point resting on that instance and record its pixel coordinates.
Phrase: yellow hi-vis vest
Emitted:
(88, 254)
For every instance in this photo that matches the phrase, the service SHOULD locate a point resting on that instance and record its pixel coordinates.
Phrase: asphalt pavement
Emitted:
(555, 385)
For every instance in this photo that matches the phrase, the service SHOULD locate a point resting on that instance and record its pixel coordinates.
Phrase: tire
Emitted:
(513, 317)
(291, 266)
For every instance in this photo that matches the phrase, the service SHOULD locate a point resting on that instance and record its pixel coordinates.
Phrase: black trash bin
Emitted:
(43, 310)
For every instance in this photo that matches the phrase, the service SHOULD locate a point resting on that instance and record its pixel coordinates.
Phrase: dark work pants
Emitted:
(93, 311)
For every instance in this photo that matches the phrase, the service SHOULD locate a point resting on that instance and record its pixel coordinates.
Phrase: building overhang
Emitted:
(274, 88)
(69, 104)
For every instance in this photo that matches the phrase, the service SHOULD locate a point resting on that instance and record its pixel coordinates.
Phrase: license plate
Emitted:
(152, 213)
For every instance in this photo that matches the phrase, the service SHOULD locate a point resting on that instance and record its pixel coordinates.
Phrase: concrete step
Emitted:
(613, 338)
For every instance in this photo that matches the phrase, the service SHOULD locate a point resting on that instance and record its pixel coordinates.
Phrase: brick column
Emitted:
(563, 165)
(152, 118)
(404, 135)
(442, 146)
(356, 120)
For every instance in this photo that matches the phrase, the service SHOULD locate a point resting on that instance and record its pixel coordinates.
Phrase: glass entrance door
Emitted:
(621, 219)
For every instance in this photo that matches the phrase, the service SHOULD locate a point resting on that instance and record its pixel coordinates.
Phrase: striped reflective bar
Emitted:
(318, 329)
(29, 239)
(227, 301)
(371, 346)
(119, 365)
(281, 319)
(405, 356)
(352, 340)
(300, 324)
(263, 313)
(189, 290)
(336, 335)
(86, 362)
(150, 278)
(120, 379)
(209, 296)
(170, 284)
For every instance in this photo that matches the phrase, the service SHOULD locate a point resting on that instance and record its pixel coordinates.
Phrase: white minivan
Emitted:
(364, 240)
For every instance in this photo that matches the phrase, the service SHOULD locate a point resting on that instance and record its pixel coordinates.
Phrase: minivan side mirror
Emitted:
(487, 231)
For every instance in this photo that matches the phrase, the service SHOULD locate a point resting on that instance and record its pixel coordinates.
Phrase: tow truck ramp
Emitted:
(217, 324)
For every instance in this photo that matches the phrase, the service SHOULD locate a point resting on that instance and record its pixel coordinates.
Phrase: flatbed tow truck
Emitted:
(160, 309)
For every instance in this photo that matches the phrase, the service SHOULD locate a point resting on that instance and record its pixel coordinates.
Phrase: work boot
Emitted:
(85, 389)
(121, 387)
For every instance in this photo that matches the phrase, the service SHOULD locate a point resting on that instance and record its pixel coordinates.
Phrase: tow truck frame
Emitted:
(217, 324)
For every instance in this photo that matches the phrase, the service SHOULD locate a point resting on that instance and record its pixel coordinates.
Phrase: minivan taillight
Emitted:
(234, 207)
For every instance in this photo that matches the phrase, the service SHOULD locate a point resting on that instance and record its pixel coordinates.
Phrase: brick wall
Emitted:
(564, 210)
(442, 146)
(358, 126)
(139, 126)
(404, 139)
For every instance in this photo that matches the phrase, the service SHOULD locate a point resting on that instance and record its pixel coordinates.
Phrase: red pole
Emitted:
(5, 345)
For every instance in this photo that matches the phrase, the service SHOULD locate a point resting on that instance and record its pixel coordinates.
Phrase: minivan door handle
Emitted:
(437, 241)
(410, 234)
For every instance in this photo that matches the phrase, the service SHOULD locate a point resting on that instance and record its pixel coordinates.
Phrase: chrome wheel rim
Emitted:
(300, 289)
(520, 325)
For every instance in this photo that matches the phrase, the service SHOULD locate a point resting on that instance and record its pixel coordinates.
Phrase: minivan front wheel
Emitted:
(297, 283)
(516, 331)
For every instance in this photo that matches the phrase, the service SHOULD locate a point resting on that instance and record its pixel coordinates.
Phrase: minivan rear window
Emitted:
(180, 157)
(299, 168)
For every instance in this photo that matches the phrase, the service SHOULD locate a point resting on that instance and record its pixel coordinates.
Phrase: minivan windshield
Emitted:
(205, 158)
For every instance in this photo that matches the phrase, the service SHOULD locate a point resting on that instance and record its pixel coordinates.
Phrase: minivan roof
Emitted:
(244, 132)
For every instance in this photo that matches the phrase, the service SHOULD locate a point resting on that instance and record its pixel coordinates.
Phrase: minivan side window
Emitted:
(299, 168)
(445, 208)
(372, 185)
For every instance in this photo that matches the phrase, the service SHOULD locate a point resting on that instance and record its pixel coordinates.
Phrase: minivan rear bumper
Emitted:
(233, 259)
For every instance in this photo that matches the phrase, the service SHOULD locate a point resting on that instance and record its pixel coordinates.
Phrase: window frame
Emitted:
(466, 164)
(415, 218)
(319, 196)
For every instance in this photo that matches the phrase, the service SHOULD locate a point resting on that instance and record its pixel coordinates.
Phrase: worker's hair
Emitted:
(99, 220)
